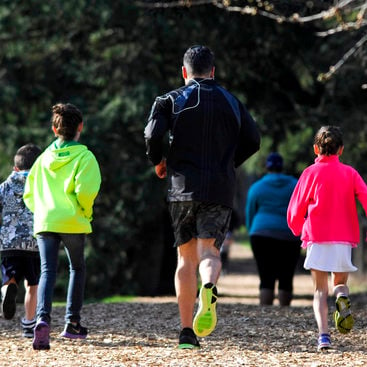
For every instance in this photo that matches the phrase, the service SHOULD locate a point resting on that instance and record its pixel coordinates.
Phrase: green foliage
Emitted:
(117, 299)
(111, 59)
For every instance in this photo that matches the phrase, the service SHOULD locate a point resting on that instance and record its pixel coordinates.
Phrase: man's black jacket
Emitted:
(210, 134)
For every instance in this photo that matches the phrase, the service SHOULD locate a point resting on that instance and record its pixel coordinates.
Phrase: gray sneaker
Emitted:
(28, 327)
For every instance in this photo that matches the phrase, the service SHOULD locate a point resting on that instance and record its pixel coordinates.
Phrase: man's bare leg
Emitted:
(210, 266)
(186, 282)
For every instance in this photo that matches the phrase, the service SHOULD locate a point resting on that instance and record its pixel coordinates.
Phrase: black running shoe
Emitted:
(187, 339)
(72, 331)
(9, 299)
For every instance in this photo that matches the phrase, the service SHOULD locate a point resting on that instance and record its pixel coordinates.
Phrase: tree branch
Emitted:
(345, 27)
(334, 68)
(253, 10)
(337, 11)
(173, 4)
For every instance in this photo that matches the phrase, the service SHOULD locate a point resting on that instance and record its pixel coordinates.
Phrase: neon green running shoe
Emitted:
(343, 316)
(205, 319)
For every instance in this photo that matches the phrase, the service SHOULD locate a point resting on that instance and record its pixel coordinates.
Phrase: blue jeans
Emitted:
(48, 244)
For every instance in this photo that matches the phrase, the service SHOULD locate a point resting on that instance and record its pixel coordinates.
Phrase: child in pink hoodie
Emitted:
(323, 211)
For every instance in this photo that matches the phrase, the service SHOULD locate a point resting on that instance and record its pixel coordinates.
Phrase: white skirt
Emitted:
(335, 258)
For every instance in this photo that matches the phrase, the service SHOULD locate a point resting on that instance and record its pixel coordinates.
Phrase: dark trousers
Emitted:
(48, 244)
(276, 260)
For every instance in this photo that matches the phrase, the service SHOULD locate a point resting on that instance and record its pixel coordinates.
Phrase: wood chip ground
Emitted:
(145, 332)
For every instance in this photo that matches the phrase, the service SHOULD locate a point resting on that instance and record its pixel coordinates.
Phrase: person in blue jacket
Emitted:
(276, 250)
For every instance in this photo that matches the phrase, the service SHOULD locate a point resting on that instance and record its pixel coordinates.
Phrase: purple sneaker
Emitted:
(72, 331)
(41, 339)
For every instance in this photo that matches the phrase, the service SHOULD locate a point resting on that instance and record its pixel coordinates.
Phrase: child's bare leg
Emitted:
(30, 301)
(320, 306)
(340, 284)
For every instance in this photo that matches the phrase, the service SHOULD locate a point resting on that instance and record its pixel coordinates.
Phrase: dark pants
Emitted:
(276, 260)
(48, 244)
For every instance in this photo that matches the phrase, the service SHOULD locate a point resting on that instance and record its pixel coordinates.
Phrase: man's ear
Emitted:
(340, 150)
(212, 72)
(80, 127)
(54, 130)
(184, 72)
(316, 149)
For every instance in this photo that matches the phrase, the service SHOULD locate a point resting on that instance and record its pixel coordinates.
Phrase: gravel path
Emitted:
(144, 332)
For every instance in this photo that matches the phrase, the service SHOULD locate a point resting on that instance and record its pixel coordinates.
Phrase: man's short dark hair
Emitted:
(26, 156)
(199, 60)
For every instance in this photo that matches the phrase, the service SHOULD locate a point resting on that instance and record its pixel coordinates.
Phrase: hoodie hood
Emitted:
(277, 179)
(55, 158)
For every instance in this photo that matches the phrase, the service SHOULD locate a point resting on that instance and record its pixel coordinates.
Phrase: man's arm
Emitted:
(157, 126)
(249, 138)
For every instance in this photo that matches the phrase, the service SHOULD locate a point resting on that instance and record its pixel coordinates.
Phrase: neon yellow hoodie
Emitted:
(61, 187)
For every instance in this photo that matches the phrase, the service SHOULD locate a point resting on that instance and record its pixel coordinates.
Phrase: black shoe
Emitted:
(72, 331)
(9, 297)
(187, 339)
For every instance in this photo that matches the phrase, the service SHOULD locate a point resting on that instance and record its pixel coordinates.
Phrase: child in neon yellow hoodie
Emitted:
(60, 190)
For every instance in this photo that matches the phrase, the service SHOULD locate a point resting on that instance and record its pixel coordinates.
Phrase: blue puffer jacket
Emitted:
(266, 206)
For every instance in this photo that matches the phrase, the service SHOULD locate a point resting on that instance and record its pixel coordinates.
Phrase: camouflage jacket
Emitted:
(16, 231)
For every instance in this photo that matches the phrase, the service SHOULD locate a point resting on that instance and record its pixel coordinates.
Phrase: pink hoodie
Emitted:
(323, 204)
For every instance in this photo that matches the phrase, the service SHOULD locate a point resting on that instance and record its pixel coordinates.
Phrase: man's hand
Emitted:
(161, 169)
